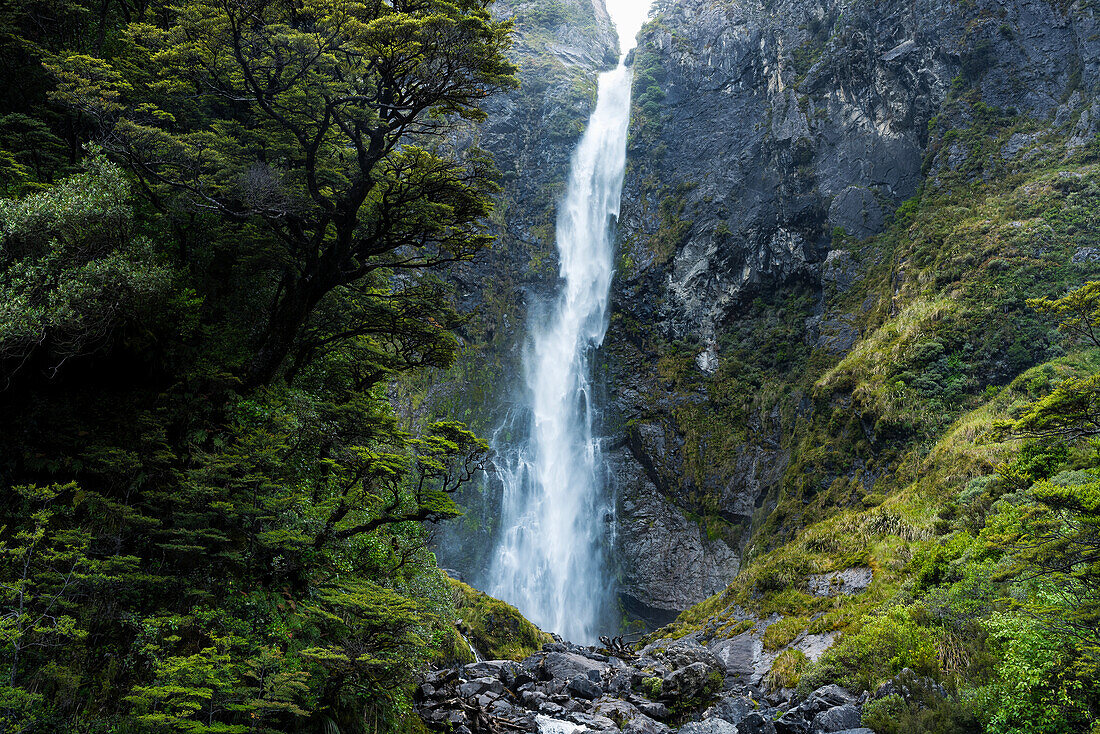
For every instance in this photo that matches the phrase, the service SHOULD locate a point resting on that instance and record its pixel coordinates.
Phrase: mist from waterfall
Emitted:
(556, 512)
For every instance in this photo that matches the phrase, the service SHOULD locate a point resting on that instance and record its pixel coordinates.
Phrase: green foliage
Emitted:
(309, 123)
(874, 650)
(925, 710)
(782, 633)
(210, 517)
(787, 669)
(496, 629)
(76, 273)
(652, 687)
(1035, 692)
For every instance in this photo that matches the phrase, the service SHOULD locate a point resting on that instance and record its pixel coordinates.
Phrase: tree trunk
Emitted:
(290, 314)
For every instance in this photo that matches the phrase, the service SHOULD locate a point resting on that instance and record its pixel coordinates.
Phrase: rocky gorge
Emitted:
(770, 148)
(833, 219)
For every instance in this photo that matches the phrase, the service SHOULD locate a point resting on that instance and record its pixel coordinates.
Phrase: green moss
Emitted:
(496, 629)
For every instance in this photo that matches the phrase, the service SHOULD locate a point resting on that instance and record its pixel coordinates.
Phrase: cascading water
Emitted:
(549, 561)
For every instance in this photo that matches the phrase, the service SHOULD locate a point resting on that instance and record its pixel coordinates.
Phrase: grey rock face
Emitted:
(667, 561)
(838, 583)
(744, 657)
(763, 128)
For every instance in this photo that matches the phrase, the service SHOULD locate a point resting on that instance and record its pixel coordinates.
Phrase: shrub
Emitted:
(787, 669)
(652, 687)
(874, 650)
(925, 712)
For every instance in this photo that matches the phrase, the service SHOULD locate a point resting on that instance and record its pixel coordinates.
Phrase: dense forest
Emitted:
(224, 234)
(262, 261)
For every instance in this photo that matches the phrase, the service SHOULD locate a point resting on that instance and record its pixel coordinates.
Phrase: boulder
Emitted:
(756, 723)
(567, 665)
(792, 722)
(836, 719)
(709, 726)
(732, 709)
(478, 686)
(642, 724)
(652, 709)
(584, 687)
(825, 698)
(689, 682)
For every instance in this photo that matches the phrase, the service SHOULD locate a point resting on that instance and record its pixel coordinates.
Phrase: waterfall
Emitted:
(549, 561)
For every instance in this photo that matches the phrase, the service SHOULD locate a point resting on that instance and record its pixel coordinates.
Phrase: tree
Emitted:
(198, 331)
(1078, 311)
(76, 272)
(319, 126)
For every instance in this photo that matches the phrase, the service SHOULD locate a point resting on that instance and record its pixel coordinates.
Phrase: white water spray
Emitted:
(550, 558)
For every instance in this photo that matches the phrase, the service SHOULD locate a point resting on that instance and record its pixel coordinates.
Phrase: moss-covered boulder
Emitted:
(496, 629)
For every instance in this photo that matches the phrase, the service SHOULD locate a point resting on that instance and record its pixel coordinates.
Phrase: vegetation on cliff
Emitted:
(951, 449)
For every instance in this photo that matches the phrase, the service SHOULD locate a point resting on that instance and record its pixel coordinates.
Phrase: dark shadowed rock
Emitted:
(756, 723)
(732, 709)
(583, 687)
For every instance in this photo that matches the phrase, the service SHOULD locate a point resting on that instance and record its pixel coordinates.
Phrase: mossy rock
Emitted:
(496, 629)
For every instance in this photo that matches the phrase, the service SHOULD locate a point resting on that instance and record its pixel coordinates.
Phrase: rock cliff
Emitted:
(770, 143)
